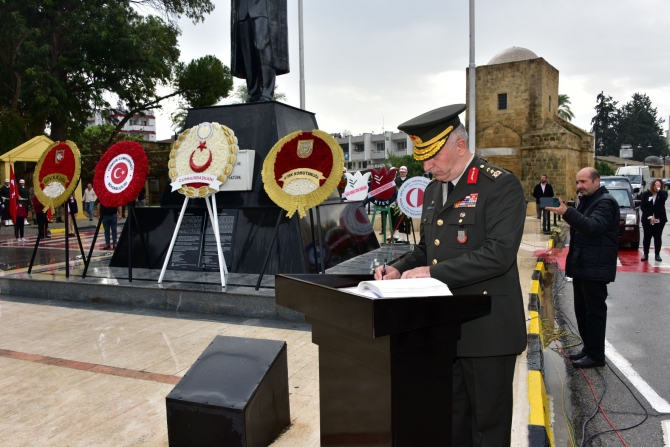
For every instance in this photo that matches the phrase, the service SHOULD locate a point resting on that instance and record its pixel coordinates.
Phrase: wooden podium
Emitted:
(385, 365)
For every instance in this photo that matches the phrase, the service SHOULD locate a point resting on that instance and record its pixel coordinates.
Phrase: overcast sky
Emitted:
(372, 64)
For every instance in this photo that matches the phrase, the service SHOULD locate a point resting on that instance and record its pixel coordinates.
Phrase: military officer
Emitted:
(471, 227)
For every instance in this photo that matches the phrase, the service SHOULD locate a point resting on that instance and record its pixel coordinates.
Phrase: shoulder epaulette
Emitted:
(431, 181)
(490, 171)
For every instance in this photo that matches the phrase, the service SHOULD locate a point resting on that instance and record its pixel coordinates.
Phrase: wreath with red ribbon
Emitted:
(302, 170)
(120, 174)
(57, 174)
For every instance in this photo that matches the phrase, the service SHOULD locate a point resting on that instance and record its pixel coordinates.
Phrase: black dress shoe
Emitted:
(579, 355)
(658, 259)
(645, 257)
(587, 362)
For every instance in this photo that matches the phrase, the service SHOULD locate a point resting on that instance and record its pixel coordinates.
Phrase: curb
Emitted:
(540, 432)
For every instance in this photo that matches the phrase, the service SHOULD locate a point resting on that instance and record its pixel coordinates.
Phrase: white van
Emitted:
(638, 176)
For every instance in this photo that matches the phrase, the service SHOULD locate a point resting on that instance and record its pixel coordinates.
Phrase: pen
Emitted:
(384, 269)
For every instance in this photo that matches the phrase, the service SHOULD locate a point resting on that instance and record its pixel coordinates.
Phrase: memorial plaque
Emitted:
(188, 246)
(210, 258)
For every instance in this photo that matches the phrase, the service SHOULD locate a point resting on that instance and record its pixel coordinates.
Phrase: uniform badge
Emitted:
(462, 214)
(469, 201)
(473, 173)
(462, 237)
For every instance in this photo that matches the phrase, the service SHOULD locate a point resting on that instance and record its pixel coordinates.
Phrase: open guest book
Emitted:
(400, 288)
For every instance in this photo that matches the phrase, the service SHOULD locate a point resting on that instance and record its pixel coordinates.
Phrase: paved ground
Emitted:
(83, 375)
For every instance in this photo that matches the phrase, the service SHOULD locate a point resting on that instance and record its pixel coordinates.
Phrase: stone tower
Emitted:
(517, 124)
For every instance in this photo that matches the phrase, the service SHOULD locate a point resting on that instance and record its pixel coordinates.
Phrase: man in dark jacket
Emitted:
(591, 262)
(543, 189)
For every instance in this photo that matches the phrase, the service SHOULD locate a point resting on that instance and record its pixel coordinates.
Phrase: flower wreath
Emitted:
(202, 158)
(120, 174)
(57, 174)
(302, 170)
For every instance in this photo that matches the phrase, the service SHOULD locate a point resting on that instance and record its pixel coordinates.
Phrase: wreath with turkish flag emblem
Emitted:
(57, 174)
(202, 158)
(120, 174)
(302, 170)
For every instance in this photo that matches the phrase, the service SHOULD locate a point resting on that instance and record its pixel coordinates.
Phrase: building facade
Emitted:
(370, 150)
(142, 125)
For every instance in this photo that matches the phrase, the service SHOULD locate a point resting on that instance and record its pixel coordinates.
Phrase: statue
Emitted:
(259, 45)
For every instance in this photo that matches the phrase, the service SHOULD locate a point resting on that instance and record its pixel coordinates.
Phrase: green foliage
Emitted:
(204, 82)
(635, 123)
(638, 124)
(62, 60)
(11, 130)
(414, 167)
(604, 168)
(564, 111)
(604, 126)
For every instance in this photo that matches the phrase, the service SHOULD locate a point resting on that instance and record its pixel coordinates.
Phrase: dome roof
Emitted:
(513, 54)
(653, 160)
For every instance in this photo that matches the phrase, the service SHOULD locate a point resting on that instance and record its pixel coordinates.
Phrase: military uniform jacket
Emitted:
(471, 244)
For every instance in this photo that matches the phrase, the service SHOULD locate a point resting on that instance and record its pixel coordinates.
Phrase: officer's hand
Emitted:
(419, 272)
(391, 273)
(560, 210)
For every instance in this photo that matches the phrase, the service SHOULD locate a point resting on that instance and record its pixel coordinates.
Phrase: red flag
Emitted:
(13, 193)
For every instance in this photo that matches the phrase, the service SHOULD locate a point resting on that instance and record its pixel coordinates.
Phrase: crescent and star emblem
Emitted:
(201, 168)
(119, 177)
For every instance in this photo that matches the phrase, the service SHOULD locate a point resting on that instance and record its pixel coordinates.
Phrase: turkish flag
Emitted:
(13, 193)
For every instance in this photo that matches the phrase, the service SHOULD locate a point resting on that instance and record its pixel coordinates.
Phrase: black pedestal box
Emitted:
(235, 394)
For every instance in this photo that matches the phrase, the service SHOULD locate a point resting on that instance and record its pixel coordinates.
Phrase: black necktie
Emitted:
(450, 188)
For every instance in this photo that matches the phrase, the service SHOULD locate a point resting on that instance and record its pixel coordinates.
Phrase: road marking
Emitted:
(665, 425)
(657, 402)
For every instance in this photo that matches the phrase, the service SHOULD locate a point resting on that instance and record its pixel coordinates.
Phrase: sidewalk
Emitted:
(93, 375)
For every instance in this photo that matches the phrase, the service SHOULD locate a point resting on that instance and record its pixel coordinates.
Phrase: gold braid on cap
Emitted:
(423, 151)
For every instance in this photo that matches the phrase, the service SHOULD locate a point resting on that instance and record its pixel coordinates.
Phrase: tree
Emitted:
(638, 125)
(604, 126)
(242, 94)
(62, 60)
(564, 111)
(604, 168)
(202, 82)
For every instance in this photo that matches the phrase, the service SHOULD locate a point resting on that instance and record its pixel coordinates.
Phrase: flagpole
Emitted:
(302, 56)
(471, 77)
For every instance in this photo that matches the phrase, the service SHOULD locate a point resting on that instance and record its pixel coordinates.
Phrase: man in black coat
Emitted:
(591, 262)
(471, 227)
(259, 45)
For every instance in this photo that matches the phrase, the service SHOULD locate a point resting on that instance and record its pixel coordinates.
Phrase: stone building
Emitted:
(517, 123)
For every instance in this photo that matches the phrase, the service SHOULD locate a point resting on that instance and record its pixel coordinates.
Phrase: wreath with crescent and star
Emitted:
(202, 158)
(302, 170)
(120, 174)
(57, 174)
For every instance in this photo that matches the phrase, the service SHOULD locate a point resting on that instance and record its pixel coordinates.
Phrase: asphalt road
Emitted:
(639, 330)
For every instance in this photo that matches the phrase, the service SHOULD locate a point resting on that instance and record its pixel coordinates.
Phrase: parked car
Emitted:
(629, 227)
(616, 180)
(666, 182)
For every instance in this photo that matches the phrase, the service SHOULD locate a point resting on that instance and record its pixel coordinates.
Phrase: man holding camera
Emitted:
(591, 262)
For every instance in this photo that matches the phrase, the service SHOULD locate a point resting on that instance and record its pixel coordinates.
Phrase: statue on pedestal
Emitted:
(259, 45)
